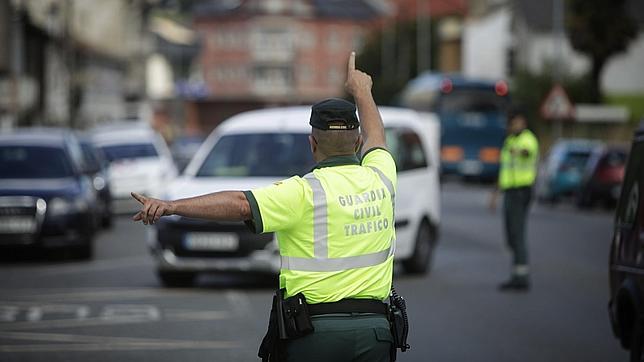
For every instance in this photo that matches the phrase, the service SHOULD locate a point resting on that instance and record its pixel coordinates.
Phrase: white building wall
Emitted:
(541, 49)
(624, 73)
(486, 42)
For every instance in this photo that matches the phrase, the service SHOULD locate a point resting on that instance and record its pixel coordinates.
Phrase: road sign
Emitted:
(557, 105)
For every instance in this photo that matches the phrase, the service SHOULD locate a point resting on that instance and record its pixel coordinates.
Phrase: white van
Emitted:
(257, 148)
(139, 161)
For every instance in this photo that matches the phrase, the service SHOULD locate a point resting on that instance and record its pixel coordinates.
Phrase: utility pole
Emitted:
(557, 71)
(16, 61)
(423, 36)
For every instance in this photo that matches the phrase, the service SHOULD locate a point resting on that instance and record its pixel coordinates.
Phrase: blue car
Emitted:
(563, 171)
(46, 195)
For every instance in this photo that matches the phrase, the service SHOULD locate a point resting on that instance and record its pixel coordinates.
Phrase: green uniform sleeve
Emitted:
(276, 207)
(381, 159)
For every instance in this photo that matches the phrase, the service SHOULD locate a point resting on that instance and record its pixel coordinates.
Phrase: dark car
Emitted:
(97, 166)
(626, 306)
(603, 176)
(46, 197)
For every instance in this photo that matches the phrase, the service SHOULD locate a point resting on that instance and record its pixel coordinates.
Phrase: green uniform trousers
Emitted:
(344, 337)
(516, 203)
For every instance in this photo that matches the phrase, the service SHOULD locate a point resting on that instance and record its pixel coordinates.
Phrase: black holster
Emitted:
(289, 319)
(398, 322)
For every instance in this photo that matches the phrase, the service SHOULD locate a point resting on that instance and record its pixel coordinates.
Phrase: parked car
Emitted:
(97, 167)
(563, 169)
(183, 148)
(139, 161)
(260, 147)
(603, 177)
(626, 266)
(46, 194)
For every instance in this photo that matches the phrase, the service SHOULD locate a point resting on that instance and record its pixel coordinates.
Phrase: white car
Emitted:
(139, 161)
(257, 148)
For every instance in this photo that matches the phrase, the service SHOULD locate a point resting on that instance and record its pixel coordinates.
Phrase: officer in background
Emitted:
(519, 158)
(335, 230)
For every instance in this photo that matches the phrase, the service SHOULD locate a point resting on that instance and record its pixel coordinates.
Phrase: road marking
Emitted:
(95, 295)
(103, 343)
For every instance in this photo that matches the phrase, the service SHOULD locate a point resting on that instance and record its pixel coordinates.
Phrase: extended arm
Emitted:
(225, 205)
(359, 86)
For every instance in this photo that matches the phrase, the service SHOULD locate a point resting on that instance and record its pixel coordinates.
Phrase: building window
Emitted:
(307, 39)
(305, 74)
(334, 76)
(228, 74)
(334, 40)
(272, 76)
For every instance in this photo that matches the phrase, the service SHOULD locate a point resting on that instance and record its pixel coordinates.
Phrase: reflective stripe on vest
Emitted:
(321, 261)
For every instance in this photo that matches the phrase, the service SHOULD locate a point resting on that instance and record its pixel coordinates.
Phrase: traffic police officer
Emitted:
(519, 157)
(334, 226)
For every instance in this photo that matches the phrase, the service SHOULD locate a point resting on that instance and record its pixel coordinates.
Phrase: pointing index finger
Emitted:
(139, 198)
(352, 61)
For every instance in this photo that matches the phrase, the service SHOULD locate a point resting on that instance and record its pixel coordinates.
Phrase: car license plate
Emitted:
(17, 225)
(211, 241)
(470, 167)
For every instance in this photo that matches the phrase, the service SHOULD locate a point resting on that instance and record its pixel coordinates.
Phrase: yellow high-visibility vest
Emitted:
(517, 168)
(334, 226)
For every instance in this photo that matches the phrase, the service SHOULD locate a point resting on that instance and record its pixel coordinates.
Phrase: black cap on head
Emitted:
(334, 114)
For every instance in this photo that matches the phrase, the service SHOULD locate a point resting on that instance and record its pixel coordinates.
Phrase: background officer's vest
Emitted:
(350, 223)
(519, 170)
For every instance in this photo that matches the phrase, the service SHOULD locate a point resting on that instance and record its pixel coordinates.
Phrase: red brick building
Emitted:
(258, 53)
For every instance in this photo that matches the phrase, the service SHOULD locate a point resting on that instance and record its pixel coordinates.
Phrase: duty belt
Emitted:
(349, 306)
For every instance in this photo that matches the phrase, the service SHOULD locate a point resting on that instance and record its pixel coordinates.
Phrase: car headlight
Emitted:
(60, 206)
(99, 183)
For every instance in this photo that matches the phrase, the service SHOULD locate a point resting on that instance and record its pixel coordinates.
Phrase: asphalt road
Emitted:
(113, 309)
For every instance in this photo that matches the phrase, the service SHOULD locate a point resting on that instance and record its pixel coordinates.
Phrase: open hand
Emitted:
(151, 209)
(358, 82)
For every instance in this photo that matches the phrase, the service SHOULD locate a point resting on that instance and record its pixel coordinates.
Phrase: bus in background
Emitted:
(472, 115)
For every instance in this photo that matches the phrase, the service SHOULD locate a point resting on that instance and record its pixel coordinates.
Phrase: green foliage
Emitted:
(387, 83)
(530, 89)
(600, 29)
(634, 103)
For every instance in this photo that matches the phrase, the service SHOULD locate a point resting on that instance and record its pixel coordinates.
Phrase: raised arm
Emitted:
(226, 205)
(359, 86)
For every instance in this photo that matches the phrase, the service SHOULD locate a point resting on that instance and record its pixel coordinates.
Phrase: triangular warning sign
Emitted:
(557, 105)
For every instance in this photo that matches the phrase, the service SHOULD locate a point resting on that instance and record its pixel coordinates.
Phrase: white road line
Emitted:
(89, 295)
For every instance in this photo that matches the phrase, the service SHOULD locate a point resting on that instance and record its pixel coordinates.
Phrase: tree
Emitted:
(389, 80)
(600, 29)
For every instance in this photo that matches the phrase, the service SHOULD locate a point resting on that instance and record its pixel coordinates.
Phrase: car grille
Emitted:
(19, 219)
(172, 235)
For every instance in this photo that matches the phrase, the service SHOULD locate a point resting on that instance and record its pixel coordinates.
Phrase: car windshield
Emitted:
(576, 159)
(472, 100)
(130, 150)
(258, 155)
(26, 162)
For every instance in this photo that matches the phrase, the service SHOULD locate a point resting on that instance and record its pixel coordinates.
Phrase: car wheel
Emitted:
(637, 340)
(173, 279)
(420, 260)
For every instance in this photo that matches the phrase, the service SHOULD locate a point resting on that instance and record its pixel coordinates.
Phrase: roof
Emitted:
(334, 9)
(36, 136)
(119, 134)
(538, 14)
(296, 119)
